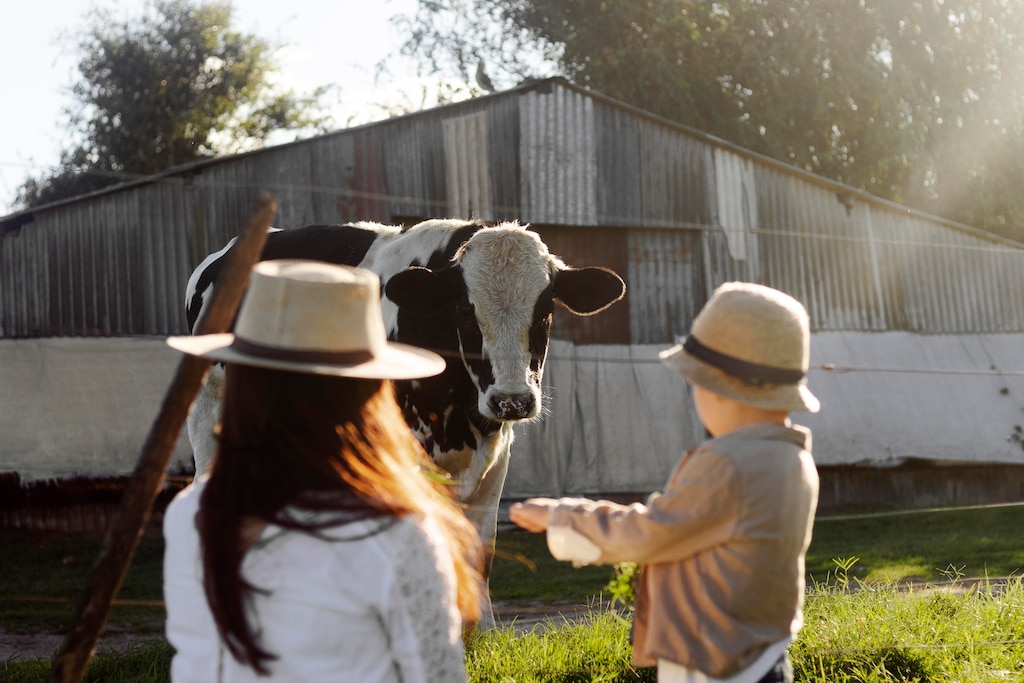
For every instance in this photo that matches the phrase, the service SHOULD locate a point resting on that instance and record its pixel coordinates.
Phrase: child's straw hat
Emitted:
(751, 344)
(313, 317)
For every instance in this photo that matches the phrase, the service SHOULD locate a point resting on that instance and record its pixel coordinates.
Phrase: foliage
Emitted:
(177, 85)
(920, 103)
(622, 586)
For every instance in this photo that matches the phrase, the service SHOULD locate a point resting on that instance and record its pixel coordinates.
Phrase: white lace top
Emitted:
(357, 606)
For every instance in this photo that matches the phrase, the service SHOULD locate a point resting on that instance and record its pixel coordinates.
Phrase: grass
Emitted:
(524, 571)
(922, 545)
(42, 577)
(145, 661)
(880, 633)
(594, 650)
(927, 546)
(877, 632)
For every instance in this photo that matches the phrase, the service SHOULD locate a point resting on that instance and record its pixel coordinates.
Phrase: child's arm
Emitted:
(532, 514)
(565, 544)
(698, 509)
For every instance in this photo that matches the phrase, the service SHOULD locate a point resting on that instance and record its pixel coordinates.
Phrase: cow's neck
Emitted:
(439, 413)
(469, 467)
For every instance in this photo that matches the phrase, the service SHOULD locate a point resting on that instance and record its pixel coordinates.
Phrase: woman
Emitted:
(323, 545)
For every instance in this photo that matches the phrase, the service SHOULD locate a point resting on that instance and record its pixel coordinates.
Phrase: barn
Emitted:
(917, 322)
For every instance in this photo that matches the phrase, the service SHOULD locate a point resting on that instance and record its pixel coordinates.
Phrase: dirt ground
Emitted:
(46, 645)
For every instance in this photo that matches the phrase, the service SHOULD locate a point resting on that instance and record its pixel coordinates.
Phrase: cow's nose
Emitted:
(512, 406)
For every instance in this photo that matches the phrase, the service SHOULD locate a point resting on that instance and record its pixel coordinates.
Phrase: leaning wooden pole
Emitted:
(122, 537)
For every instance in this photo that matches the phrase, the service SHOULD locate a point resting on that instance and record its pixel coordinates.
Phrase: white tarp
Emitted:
(616, 419)
(619, 420)
(896, 395)
(73, 406)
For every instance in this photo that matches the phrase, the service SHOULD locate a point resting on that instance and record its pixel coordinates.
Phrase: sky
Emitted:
(337, 42)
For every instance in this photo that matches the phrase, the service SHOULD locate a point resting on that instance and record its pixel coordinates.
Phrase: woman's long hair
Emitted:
(316, 442)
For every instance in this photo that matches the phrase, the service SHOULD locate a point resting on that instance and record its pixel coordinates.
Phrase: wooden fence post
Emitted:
(124, 533)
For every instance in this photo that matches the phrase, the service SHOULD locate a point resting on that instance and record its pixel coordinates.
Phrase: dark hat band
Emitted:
(301, 356)
(754, 374)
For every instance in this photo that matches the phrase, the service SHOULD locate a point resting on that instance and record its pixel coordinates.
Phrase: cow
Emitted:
(482, 296)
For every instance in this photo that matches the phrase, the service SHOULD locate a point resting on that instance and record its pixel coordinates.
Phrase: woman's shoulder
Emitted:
(418, 528)
(411, 532)
(412, 538)
(184, 505)
(377, 554)
(340, 530)
(421, 553)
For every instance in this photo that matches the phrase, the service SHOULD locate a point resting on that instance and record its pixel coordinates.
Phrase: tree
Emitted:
(918, 102)
(174, 86)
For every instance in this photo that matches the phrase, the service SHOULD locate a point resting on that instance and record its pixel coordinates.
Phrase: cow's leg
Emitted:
(482, 511)
(203, 417)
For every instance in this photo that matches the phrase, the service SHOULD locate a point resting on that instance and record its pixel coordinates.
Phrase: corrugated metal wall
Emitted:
(592, 246)
(666, 277)
(105, 267)
(672, 210)
(858, 265)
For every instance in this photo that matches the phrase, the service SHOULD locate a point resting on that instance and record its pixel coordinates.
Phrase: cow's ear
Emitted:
(586, 291)
(421, 290)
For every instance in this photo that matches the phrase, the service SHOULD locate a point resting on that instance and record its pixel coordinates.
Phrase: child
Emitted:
(722, 548)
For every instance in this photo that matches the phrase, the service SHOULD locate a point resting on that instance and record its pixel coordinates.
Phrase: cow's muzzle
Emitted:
(512, 406)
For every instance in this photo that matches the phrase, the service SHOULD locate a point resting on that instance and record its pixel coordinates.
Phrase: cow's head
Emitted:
(502, 285)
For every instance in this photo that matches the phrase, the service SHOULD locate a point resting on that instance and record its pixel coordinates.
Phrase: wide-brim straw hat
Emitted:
(313, 317)
(750, 344)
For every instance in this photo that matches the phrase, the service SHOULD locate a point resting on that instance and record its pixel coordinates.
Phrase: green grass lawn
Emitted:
(924, 545)
(927, 546)
(863, 636)
(524, 571)
(42, 577)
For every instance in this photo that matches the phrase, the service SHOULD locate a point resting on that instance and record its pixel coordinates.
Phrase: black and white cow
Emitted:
(482, 296)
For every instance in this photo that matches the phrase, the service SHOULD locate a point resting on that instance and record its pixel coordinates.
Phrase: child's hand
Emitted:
(532, 514)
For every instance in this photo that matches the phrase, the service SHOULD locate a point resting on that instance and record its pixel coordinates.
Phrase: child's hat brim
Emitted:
(787, 397)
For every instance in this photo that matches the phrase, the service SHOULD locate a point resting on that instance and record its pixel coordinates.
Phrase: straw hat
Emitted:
(751, 344)
(317, 318)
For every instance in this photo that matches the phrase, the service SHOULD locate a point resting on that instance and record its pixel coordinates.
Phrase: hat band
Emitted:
(301, 356)
(751, 373)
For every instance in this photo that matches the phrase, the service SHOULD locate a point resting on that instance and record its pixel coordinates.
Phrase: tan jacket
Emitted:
(722, 548)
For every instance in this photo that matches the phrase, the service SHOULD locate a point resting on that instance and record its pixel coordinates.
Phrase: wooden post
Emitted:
(122, 537)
